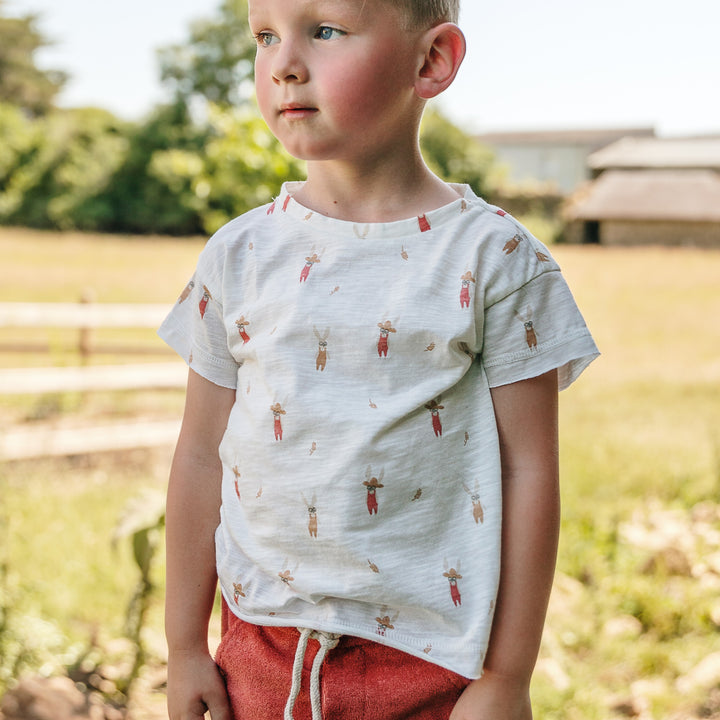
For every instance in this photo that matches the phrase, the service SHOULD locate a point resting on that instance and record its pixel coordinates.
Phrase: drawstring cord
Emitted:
(327, 642)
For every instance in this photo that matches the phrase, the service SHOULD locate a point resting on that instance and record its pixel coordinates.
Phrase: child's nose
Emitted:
(288, 65)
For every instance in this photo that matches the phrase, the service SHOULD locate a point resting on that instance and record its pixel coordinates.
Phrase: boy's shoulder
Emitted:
(238, 231)
(240, 224)
(509, 254)
(497, 223)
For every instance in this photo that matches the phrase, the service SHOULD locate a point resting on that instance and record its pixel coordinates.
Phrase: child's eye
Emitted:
(328, 33)
(265, 39)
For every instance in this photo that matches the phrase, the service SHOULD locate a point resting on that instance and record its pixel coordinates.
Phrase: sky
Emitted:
(530, 65)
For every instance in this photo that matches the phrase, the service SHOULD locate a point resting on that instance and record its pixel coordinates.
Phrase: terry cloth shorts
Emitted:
(354, 679)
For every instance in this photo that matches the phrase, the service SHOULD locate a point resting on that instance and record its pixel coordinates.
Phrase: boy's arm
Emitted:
(526, 415)
(192, 515)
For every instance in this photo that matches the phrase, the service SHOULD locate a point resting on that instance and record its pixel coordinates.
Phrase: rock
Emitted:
(57, 698)
(706, 511)
(711, 707)
(623, 705)
(713, 561)
(705, 675)
(623, 626)
(715, 613)
(668, 561)
(44, 699)
(554, 672)
(649, 688)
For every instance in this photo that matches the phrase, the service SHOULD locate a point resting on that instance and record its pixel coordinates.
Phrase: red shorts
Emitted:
(359, 679)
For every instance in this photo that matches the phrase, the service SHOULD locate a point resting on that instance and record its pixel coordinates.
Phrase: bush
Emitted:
(54, 168)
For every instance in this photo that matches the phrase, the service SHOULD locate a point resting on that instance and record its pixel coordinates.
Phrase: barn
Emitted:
(649, 191)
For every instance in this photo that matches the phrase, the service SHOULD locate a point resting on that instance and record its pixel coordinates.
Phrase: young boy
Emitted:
(376, 355)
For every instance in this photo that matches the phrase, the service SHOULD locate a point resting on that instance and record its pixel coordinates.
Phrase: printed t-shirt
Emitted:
(361, 487)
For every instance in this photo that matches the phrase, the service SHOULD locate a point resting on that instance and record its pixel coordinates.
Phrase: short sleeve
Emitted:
(535, 329)
(195, 327)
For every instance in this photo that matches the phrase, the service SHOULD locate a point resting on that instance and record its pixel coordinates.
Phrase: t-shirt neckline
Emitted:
(433, 219)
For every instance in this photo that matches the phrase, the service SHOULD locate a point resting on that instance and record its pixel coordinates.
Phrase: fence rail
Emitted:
(82, 315)
(26, 442)
(145, 376)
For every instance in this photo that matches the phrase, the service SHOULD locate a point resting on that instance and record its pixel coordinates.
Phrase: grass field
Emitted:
(634, 626)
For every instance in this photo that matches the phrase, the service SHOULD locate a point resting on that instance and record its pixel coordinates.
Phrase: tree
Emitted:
(178, 172)
(54, 168)
(216, 63)
(243, 166)
(22, 83)
(454, 155)
(151, 191)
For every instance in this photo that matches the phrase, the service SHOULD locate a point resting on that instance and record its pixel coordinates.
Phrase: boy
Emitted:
(377, 355)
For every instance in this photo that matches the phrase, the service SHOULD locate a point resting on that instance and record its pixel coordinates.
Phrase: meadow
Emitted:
(634, 623)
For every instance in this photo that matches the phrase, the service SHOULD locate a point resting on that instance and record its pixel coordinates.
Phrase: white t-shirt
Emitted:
(361, 472)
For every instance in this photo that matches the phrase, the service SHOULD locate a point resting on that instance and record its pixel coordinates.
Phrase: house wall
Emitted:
(639, 232)
(700, 234)
(564, 166)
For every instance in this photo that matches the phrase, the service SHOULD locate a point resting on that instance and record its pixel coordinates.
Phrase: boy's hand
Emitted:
(195, 686)
(494, 697)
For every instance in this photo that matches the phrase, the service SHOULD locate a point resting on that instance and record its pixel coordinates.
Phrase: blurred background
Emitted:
(128, 134)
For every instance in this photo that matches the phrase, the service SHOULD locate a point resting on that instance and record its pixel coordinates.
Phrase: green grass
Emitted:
(68, 584)
(640, 458)
(640, 435)
(44, 266)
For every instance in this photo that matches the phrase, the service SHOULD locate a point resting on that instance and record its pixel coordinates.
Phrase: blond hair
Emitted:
(426, 13)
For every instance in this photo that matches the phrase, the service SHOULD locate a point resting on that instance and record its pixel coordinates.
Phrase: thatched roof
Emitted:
(680, 195)
(634, 152)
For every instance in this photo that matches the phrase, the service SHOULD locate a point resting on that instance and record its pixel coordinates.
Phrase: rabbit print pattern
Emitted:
(385, 329)
(373, 483)
(333, 306)
(322, 355)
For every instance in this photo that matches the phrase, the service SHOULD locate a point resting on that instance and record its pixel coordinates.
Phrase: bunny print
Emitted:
(385, 622)
(277, 412)
(321, 359)
(373, 484)
(312, 514)
(477, 508)
(206, 297)
(434, 407)
(526, 319)
(385, 329)
(186, 292)
(466, 279)
(242, 323)
(453, 576)
(310, 260)
(511, 245)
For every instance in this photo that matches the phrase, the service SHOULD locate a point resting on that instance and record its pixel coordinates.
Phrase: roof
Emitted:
(658, 153)
(589, 137)
(680, 195)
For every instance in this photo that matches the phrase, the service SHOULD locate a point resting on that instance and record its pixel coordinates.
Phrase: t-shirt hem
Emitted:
(570, 355)
(357, 631)
(209, 367)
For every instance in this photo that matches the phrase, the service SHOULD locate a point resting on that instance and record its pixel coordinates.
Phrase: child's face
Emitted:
(335, 78)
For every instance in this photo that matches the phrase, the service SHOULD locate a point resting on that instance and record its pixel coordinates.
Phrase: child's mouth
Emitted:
(297, 112)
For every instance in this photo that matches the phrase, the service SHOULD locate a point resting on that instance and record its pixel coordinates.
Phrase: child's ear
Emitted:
(444, 48)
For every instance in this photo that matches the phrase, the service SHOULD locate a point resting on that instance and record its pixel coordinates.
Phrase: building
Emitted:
(555, 159)
(650, 191)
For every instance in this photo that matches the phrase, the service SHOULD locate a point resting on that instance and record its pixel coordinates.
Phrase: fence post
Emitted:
(85, 339)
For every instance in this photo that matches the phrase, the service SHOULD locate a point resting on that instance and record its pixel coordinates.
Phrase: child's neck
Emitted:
(384, 192)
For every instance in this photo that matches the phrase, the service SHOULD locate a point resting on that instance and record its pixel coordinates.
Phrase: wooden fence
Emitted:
(28, 442)
(84, 317)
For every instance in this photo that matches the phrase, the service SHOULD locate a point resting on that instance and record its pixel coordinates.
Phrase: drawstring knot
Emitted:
(327, 642)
